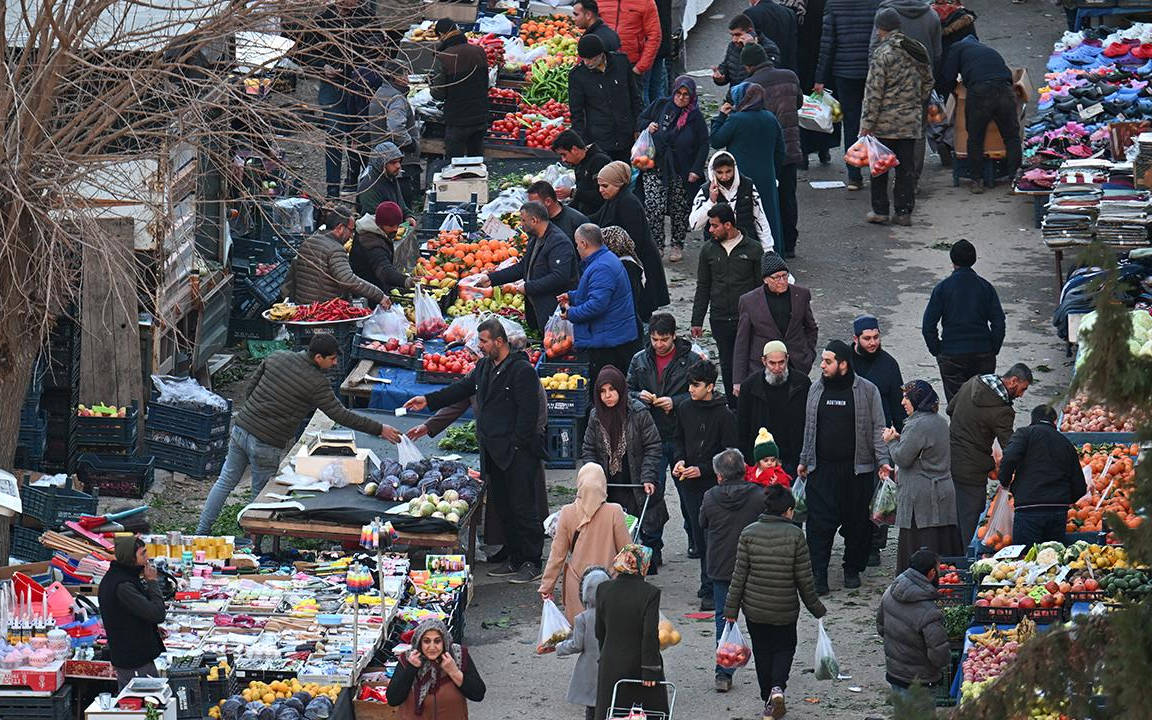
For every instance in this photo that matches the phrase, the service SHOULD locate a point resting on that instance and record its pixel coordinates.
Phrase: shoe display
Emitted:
(529, 572)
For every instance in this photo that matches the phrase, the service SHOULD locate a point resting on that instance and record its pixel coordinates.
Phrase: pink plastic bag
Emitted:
(870, 152)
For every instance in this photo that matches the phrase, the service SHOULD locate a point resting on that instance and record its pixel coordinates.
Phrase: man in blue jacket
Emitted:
(601, 307)
(971, 320)
(547, 267)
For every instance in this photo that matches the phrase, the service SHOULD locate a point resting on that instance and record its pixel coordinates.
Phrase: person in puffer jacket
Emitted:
(637, 23)
(583, 643)
(915, 642)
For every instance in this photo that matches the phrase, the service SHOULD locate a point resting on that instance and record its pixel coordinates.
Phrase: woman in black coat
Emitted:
(623, 208)
(627, 628)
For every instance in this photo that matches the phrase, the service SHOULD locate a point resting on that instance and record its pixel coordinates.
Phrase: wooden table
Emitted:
(435, 146)
(355, 386)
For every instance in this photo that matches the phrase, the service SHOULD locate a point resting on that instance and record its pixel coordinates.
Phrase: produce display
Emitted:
(456, 362)
(456, 257)
(548, 80)
(505, 300)
(1139, 342)
(101, 410)
(460, 438)
(957, 620)
(393, 345)
(493, 46)
(992, 651)
(1113, 478)
(537, 30)
(334, 310)
(1126, 584)
(1082, 416)
(564, 381)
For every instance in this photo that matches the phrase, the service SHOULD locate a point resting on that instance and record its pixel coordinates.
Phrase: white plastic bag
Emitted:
(334, 475)
(816, 113)
(497, 24)
(800, 497)
(870, 152)
(515, 53)
(554, 628)
(385, 325)
(733, 651)
(884, 503)
(451, 222)
(186, 390)
(407, 452)
(699, 351)
(827, 667)
(429, 320)
(644, 151)
(462, 329)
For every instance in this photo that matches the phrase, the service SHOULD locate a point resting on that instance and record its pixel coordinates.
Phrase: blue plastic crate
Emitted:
(182, 460)
(26, 546)
(196, 422)
(99, 431)
(562, 441)
(115, 475)
(53, 506)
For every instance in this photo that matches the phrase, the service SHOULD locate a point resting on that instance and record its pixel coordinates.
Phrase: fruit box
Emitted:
(45, 679)
(986, 614)
(355, 466)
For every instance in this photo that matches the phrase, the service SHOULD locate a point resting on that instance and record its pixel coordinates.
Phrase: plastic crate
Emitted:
(115, 475)
(988, 615)
(438, 378)
(99, 431)
(178, 459)
(562, 441)
(33, 435)
(257, 328)
(195, 421)
(574, 365)
(411, 362)
(954, 595)
(26, 546)
(57, 706)
(222, 689)
(53, 506)
(187, 687)
(566, 403)
(162, 437)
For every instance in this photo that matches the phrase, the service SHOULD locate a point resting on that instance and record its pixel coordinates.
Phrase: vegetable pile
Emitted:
(460, 438)
(493, 46)
(537, 30)
(547, 79)
(334, 310)
(1113, 478)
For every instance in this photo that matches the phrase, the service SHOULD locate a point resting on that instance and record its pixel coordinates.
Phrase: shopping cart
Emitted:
(640, 520)
(637, 712)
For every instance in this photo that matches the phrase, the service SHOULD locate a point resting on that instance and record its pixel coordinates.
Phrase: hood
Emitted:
(367, 224)
(908, 8)
(732, 496)
(384, 153)
(593, 576)
(913, 47)
(728, 193)
(911, 587)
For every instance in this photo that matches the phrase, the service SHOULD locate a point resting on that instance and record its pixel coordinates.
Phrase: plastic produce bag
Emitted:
(884, 503)
(186, 391)
(1001, 515)
(385, 325)
(644, 151)
(800, 496)
(517, 337)
(451, 222)
(870, 152)
(429, 321)
(515, 53)
(827, 668)
(554, 628)
(407, 452)
(334, 475)
(669, 635)
(699, 351)
(733, 651)
(497, 24)
(557, 335)
(462, 329)
(816, 113)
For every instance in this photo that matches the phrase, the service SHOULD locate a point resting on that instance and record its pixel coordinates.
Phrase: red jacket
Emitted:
(637, 22)
(775, 476)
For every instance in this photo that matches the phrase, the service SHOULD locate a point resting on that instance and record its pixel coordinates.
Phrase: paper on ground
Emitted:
(825, 184)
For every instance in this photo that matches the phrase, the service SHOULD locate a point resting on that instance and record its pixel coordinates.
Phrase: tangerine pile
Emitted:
(456, 257)
(537, 30)
(1084, 515)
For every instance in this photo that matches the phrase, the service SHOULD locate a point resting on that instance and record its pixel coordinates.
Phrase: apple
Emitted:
(1047, 601)
(1052, 586)
(1027, 603)
(1091, 585)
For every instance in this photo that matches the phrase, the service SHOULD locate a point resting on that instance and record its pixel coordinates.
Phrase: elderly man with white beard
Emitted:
(774, 398)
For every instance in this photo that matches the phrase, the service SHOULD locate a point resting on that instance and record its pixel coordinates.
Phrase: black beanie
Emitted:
(589, 47)
(771, 263)
(444, 26)
(963, 253)
(753, 55)
(840, 349)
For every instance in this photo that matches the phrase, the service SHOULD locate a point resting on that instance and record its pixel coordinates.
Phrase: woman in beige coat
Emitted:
(589, 531)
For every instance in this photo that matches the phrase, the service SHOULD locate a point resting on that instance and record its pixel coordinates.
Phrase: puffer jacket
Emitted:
(844, 40)
(899, 83)
(373, 256)
(460, 79)
(392, 119)
(672, 383)
(321, 271)
(637, 22)
(915, 641)
(725, 511)
(979, 416)
(773, 573)
(602, 310)
(783, 97)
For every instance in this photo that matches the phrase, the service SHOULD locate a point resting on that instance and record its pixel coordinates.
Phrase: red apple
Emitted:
(1052, 586)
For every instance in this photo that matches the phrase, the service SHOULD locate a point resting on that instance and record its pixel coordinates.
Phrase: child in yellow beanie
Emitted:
(767, 470)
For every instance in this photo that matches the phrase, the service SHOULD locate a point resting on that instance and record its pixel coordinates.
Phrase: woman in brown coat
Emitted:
(589, 531)
(436, 679)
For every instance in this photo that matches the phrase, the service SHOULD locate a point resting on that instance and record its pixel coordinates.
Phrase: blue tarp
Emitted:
(389, 396)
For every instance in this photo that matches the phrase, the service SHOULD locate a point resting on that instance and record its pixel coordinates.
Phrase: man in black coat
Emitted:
(778, 24)
(586, 162)
(132, 608)
(773, 398)
(460, 79)
(508, 429)
(604, 97)
(381, 181)
(586, 15)
(1042, 469)
(559, 214)
(374, 249)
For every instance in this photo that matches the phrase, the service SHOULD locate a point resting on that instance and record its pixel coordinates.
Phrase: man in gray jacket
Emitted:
(915, 641)
(843, 447)
(392, 119)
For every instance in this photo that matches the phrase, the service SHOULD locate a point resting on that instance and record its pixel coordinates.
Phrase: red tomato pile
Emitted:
(458, 362)
(553, 109)
(536, 133)
(499, 93)
(493, 48)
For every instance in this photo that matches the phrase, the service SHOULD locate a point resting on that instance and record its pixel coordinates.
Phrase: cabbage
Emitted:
(1141, 323)
(1146, 349)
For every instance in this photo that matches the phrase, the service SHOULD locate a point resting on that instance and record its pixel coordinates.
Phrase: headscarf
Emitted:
(428, 675)
(922, 396)
(593, 576)
(591, 492)
(690, 85)
(613, 420)
(615, 173)
(632, 559)
(748, 96)
(619, 241)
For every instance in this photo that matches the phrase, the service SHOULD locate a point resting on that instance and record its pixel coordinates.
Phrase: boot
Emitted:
(820, 580)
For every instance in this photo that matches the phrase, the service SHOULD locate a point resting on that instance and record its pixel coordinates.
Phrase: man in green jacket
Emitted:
(286, 389)
(772, 569)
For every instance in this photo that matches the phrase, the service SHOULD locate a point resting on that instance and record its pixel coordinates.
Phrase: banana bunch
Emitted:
(282, 311)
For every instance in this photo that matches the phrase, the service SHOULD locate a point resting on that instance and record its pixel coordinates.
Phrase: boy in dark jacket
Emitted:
(1042, 469)
(731, 71)
(705, 426)
(586, 162)
(726, 510)
(604, 97)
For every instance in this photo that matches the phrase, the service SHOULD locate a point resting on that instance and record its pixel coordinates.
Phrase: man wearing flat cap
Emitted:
(778, 310)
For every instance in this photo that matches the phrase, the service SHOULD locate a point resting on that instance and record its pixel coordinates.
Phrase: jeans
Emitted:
(719, 597)
(668, 448)
(692, 496)
(773, 647)
(724, 333)
(461, 140)
(1031, 526)
(789, 209)
(244, 449)
(988, 102)
(513, 491)
(955, 370)
(339, 125)
(838, 499)
(904, 188)
(850, 93)
(654, 83)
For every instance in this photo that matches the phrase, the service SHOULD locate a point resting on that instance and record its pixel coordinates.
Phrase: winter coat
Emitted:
(925, 494)
(375, 186)
(779, 409)
(132, 610)
(286, 388)
(627, 211)
(1042, 468)
(568, 219)
(722, 277)
(725, 511)
(678, 151)
(570, 554)
(756, 140)
(373, 256)
(635, 272)
(968, 311)
(628, 630)
(915, 641)
(321, 271)
(773, 573)
(325, 39)
(582, 643)
(446, 701)
(757, 326)
(392, 119)
(732, 71)
(548, 268)
(637, 23)
(703, 428)
(899, 83)
(918, 21)
(778, 24)
(744, 198)
(882, 370)
(844, 40)
(460, 79)
(605, 105)
(871, 450)
(783, 97)
(975, 62)
(644, 453)
(586, 197)
(601, 310)
(673, 383)
(979, 416)
(768, 476)
(607, 35)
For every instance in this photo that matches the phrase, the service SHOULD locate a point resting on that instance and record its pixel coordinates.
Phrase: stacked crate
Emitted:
(187, 438)
(262, 252)
(33, 425)
(60, 369)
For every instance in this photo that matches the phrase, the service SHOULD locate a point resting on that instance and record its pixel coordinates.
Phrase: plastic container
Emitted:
(116, 475)
(118, 431)
(197, 422)
(563, 438)
(26, 546)
(53, 506)
(187, 687)
(189, 462)
(57, 706)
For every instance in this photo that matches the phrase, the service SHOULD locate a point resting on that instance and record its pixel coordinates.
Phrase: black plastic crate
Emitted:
(193, 421)
(256, 328)
(33, 434)
(99, 431)
(57, 706)
(188, 462)
(217, 690)
(953, 595)
(187, 687)
(163, 437)
(30, 410)
(115, 475)
(572, 365)
(265, 288)
(26, 546)
(53, 506)
(28, 461)
(358, 352)
(438, 378)
(988, 615)
(503, 139)
(562, 441)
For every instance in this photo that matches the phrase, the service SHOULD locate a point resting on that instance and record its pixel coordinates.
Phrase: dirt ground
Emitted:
(851, 268)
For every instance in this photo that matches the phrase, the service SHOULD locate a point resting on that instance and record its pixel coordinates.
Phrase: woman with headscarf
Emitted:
(622, 207)
(755, 139)
(620, 244)
(627, 628)
(680, 136)
(622, 438)
(436, 678)
(925, 497)
(589, 531)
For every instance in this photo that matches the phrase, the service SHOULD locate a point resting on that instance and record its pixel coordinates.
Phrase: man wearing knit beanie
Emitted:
(778, 310)
(373, 253)
(132, 607)
(381, 180)
(963, 323)
(604, 98)
(843, 449)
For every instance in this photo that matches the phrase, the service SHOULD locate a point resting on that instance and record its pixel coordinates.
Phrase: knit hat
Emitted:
(753, 55)
(765, 446)
(865, 322)
(840, 349)
(589, 46)
(124, 548)
(963, 253)
(388, 214)
(887, 19)
(386, 152)
(615, 173)
(773, 346)
(771, 263)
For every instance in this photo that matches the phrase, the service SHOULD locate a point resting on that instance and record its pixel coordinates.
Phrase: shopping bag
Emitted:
(997, 533)
(429, 320)
(451, 222)
(407, 452)
(816, 113)
(669, 635)
(385, 325)
(827, 668)
(800, 497)
(871, 153)
(884, 503)
(644, 151)
(462, 329)
(554, 628)
(732, 652)
(557, 335)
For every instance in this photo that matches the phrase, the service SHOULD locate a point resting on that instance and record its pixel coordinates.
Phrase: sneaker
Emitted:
(707, 604)
(876, 218)
(976, 187)
(902, 219)
(874, 558)
(851, 579)
(854, 185)
(776, 703)
(529, 572)
(820, 580)
(723, 682)
(676, 255)
(504, 569)
(500, 556)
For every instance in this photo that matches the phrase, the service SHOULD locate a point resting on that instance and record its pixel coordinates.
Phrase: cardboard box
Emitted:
(460, 180)
(993, 142)
(46, 679)
(372, 710)
(461, 12)
(319, 454)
